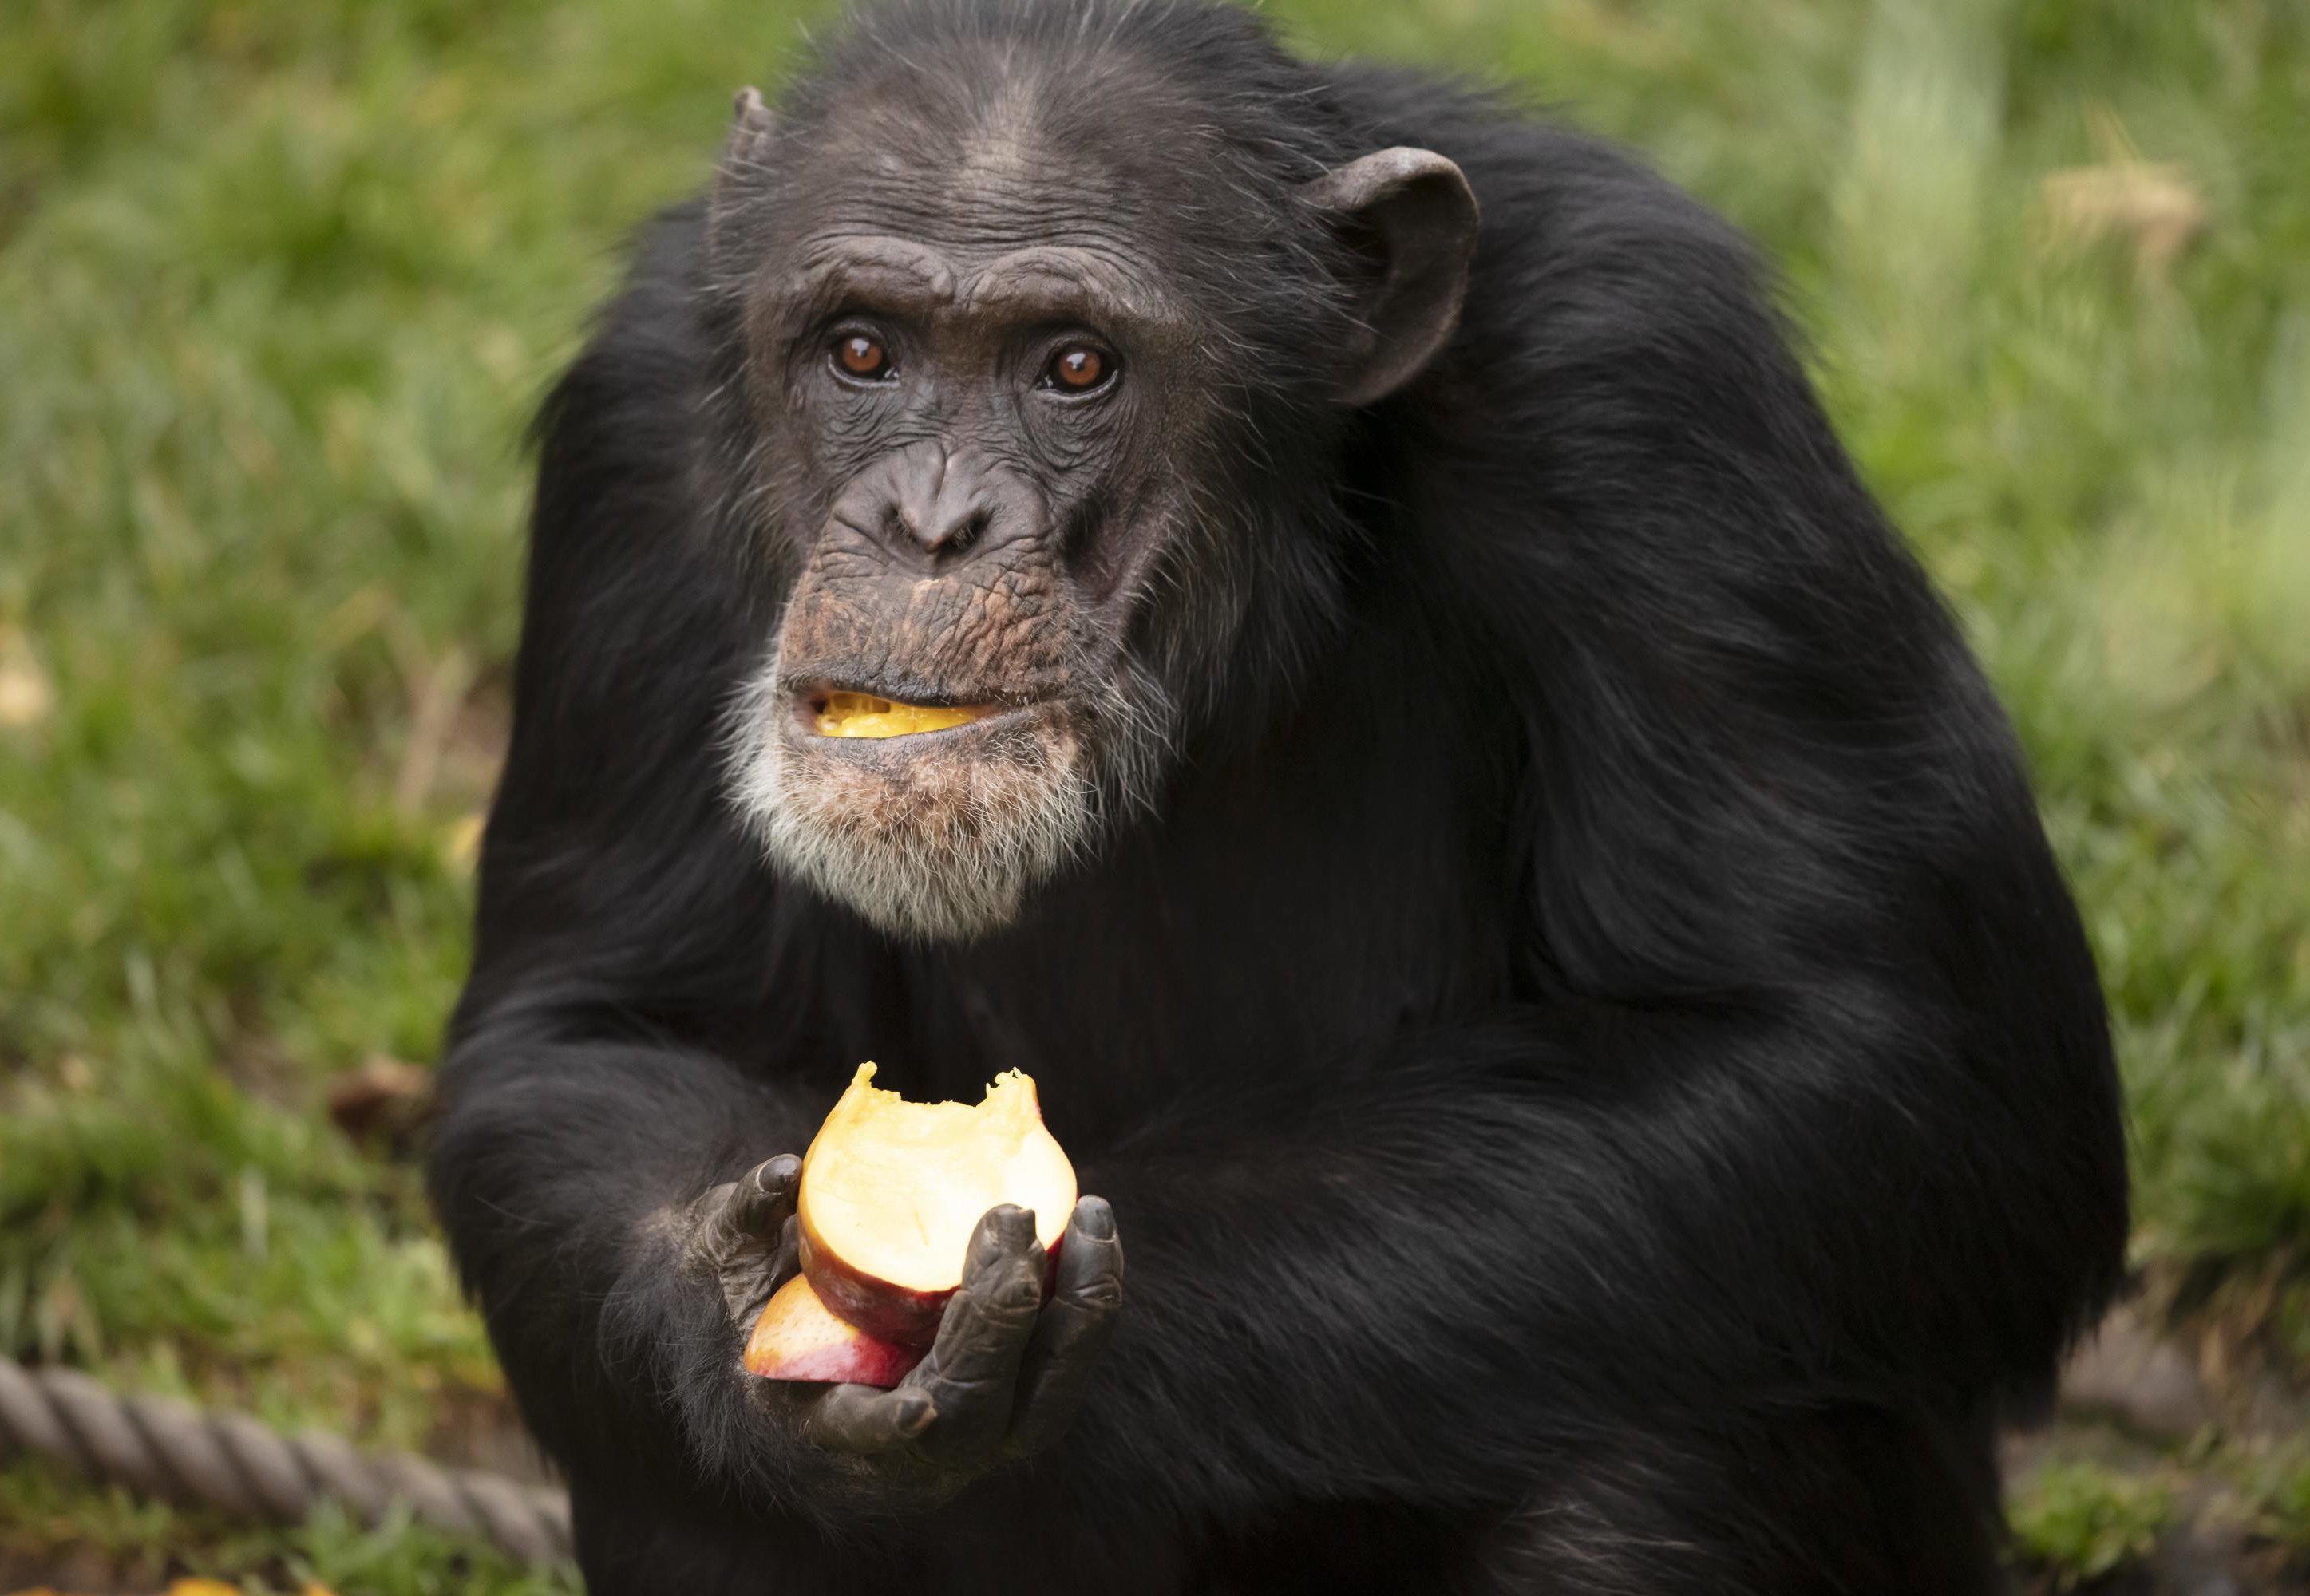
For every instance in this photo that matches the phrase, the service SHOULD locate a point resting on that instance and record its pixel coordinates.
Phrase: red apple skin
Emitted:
(798, 1337)
(881, 1307)
(860, 1361)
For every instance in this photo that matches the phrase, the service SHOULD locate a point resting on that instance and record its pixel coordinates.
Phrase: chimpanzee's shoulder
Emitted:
(658, 309)
(632, 394)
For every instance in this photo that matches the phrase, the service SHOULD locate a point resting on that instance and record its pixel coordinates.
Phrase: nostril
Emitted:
(959, 538)
(942, 539)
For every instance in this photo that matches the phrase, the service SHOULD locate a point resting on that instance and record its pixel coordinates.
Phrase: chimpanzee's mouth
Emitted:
(833, 713)
(932, 819)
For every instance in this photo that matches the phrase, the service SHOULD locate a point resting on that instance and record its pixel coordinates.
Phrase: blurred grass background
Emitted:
(280, 281)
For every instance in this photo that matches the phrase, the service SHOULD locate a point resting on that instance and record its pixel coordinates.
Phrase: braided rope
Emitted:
(234, 1465)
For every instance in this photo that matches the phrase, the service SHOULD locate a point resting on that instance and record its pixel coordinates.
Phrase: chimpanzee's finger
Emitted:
(972, 1369)
(747, 1235)
(866, 1419)
(743, 1214)
(764, 1198)
(1074, 1327)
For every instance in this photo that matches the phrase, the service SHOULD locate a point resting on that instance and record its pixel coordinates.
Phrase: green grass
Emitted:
(280, 280)
(2083, 1521)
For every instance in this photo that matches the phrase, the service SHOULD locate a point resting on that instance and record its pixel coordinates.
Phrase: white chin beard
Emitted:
(939, 846)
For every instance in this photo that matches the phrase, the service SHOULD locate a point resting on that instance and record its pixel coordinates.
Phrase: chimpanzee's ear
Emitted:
(745, 154)
(1410, 217)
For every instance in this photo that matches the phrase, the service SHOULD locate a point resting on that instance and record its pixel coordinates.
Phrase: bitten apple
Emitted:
(892, 1189)
(798, 1337)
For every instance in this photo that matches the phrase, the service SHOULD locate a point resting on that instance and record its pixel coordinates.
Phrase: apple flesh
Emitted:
(798, 1337)
(892, 1189)
(862, 715)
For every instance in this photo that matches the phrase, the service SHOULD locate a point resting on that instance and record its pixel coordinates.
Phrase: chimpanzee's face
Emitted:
(1005, 397)
(976, 399)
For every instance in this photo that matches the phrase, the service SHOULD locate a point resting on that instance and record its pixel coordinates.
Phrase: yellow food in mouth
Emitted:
(862, 715)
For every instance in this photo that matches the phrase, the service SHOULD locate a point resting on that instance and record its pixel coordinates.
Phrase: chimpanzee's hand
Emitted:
(1007, 1370)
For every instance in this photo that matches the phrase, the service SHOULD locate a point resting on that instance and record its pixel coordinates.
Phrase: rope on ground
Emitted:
(229, 1462)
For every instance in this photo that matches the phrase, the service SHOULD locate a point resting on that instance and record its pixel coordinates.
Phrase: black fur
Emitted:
(1600, 1077)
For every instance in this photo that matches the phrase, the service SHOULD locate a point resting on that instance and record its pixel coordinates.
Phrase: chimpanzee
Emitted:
(1514, 893)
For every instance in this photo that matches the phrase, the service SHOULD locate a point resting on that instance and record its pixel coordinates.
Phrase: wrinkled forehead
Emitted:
(1002, 193)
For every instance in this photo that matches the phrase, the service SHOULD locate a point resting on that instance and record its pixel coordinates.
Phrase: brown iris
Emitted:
(862, 356)
(1078, 368)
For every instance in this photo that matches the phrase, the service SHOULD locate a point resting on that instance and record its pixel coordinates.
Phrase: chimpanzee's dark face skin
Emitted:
(997, 436)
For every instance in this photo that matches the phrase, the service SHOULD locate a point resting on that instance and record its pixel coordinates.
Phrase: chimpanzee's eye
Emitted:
(1078, 368)
(861, 356)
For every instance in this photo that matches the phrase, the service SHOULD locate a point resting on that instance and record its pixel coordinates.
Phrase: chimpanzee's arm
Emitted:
(1462, 1264)
(567, 1172)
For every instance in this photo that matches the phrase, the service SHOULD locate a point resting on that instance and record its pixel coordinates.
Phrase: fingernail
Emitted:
(916, 1412)
(1014, 1225)
(1095, 1219)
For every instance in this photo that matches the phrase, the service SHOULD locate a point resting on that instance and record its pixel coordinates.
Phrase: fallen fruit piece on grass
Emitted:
(892, 1189)
(798, 1337)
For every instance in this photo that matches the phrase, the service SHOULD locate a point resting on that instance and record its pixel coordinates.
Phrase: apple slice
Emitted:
(892, 1191)
(862, 715)
(798, 1337)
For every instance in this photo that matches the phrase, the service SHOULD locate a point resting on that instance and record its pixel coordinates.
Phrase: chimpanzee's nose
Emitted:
(937, 503)
(941, 500)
